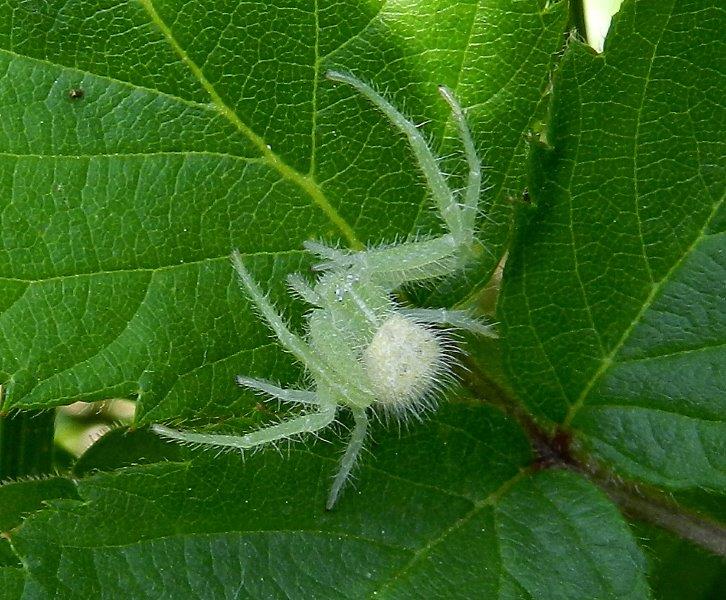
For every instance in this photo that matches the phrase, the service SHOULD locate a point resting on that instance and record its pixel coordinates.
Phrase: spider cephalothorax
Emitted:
(363, 350)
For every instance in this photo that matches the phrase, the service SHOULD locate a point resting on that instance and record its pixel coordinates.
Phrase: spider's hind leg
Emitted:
(308, 423)
(355, 445)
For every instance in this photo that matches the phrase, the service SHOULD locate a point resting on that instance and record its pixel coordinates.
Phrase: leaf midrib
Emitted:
(304, 181)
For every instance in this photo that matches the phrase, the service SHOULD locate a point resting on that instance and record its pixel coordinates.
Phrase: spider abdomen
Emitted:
(404, 361)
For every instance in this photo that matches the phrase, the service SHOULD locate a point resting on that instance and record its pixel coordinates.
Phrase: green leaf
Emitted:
(552, 536)
(12, 582)
(142, 141)
(440, 512)
(122, 447)
(20, 498)
(613, 304)
(678, 570)
(26, 444)
(7, 556)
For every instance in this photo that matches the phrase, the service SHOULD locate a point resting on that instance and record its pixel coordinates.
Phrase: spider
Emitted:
(363, 350)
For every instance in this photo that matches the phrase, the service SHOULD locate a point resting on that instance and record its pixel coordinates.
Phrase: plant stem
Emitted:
(648, 505)
(553, 448)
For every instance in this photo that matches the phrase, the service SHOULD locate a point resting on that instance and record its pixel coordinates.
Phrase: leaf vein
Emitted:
(608, 360)
(304, 182)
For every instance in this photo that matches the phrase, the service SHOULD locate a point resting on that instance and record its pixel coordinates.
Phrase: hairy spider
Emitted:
(362, 349)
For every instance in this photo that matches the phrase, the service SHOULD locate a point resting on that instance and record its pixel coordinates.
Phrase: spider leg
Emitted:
(412, 261)
(305, 424)
(286, 395)
(333, 257)
(444, 198)
(460, 319)
(426, 258)
(473, 186)
(349, 457)
(326, 252)
(287, 338)
(303, 289)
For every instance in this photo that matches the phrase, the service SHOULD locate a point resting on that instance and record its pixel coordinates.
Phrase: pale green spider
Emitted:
(363, 349)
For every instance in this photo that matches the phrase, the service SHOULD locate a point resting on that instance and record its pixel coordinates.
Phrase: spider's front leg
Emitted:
(435, 257)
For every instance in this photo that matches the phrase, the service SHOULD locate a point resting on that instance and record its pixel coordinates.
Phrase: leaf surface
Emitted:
(143, 141)
(12, 582)
(613, 300)
(442, 511)
(20, 498)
